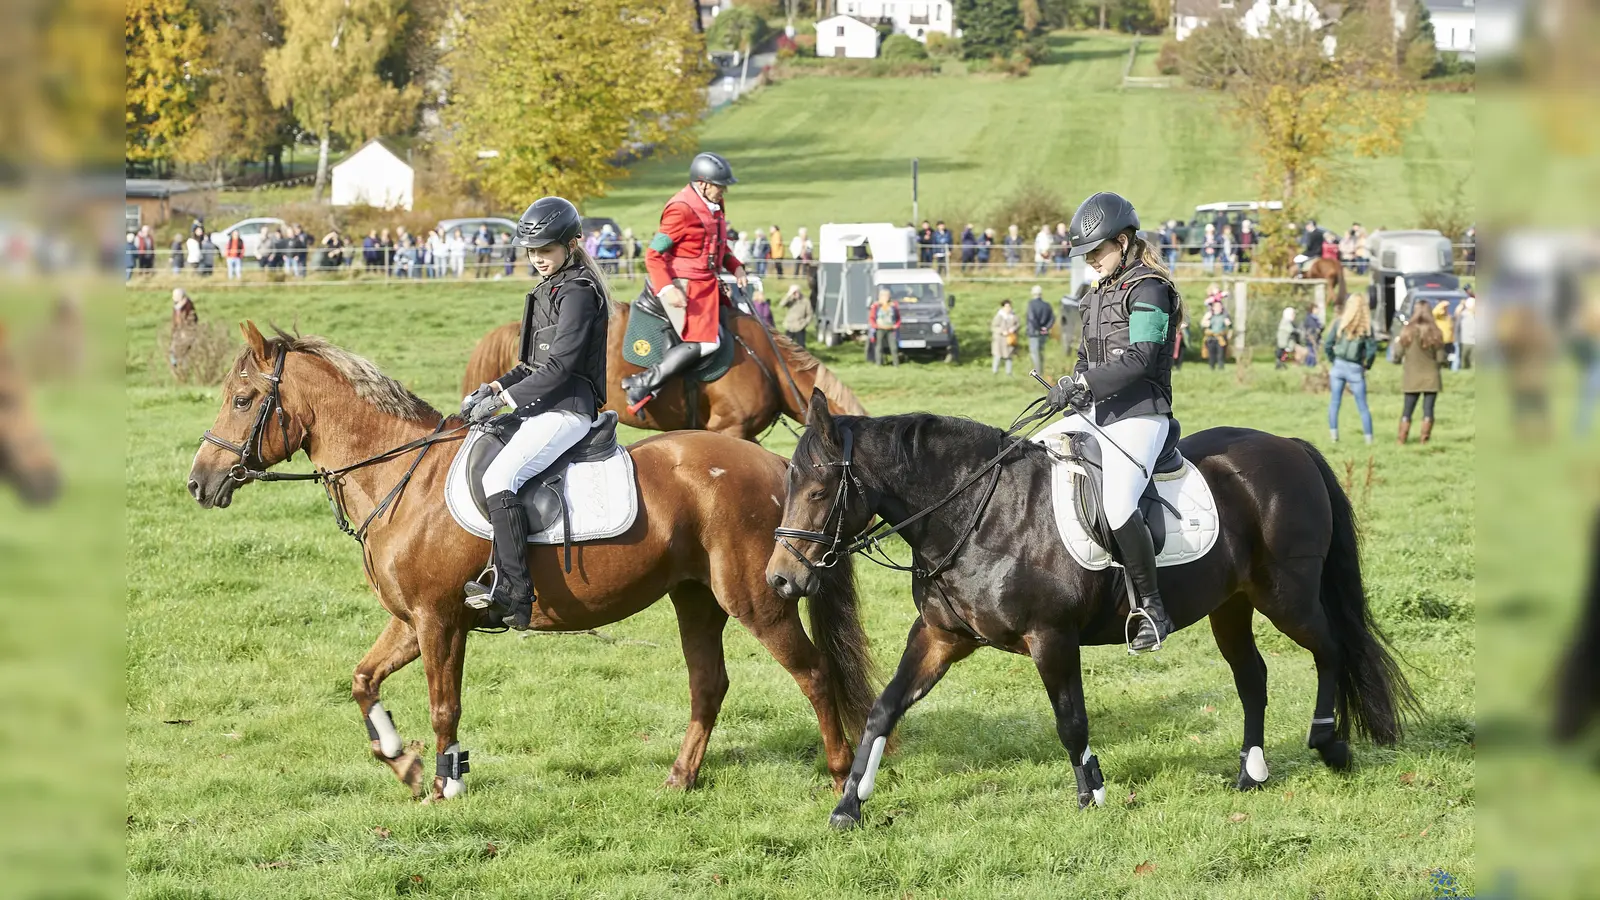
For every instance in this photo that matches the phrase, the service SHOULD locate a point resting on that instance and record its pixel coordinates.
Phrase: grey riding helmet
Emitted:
(712, 169)
(550, 220)
(1099, 219)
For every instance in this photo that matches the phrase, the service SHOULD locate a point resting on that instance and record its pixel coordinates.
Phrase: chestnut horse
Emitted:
(761, 386)
(1323, 269)
(708, 504)
(26, 460)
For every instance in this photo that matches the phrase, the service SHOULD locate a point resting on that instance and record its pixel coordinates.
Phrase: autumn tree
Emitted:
(235, 119)
(545, 96)
(1308, 110)
(328, 69)
(165, 48)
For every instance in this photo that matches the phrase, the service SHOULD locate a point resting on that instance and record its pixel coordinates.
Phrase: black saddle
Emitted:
(543, 499)
(1088, 489)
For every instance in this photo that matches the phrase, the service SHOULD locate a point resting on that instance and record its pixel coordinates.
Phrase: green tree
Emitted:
(739, 28)
(546, 96)
(989, 28)
(235, 119)
(165, 50)
(327, 71)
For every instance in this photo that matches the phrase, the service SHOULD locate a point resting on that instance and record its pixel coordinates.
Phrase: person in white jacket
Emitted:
(436, 255)
(455, 249)
(1043, 242)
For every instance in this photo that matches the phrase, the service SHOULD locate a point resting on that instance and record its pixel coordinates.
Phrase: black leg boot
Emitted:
(1139, 562)
(677, 360)
(511, 602)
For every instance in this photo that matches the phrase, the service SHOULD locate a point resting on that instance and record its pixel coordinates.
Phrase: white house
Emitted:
(373, 176)
(846, 36)
(1187, 15)
(1455, 25)
(915, 18)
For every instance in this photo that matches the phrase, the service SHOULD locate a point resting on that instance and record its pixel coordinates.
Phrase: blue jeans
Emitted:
(1345, 372)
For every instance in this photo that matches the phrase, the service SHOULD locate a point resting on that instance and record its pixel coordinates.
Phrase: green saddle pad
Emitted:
(648, 338)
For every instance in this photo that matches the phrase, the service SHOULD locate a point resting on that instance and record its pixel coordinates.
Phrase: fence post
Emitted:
(1241, 303)
(1320, 298)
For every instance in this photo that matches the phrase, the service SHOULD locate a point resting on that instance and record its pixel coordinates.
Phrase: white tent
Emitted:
(373, 176)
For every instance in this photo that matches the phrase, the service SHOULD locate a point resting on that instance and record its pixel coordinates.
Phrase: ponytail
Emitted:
(580, 257)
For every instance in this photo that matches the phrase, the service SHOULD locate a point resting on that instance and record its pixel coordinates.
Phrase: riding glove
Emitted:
(483, 392)
(484, 409)
(1070, 392)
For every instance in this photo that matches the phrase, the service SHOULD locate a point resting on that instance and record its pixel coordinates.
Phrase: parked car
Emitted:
(592, 224)
(469, 227)
(1231, 212)
(250, 231)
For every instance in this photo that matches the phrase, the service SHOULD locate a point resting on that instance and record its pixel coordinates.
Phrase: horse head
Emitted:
(26, 459)
(824, 510)
(255, 429)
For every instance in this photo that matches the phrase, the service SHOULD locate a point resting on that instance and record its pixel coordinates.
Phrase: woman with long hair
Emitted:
(556, 389)
(1351, 349)
(1122, 384)
(1422, 354)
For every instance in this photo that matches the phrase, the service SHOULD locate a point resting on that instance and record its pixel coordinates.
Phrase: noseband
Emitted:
(835, 542)
(250, 459)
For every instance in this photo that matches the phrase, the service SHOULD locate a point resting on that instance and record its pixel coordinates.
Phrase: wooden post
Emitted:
(1321, 300)
(1241, 303)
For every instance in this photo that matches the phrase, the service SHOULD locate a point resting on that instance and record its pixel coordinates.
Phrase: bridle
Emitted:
(250, 451)
(252, 466)
(835, 542)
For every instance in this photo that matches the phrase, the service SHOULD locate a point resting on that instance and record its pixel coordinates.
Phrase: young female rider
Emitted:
(1123, 383)
(556, 389)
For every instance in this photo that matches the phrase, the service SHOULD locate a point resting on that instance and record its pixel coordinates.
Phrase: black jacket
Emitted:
(1130, 325)
(563, 349)
(1040, 317)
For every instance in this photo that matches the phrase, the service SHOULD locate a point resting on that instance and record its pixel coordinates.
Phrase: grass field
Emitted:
(243, 626)
(814, 150)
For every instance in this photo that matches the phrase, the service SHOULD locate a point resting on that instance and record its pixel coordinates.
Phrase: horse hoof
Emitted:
(677, 782)
(843, 821)
(1246, 783)
(1336, 755)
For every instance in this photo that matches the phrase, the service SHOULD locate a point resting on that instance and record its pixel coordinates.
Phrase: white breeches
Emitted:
(1142, 437)
(533, 448)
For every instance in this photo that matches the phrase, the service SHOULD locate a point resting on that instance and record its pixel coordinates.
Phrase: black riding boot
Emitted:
(1139, 562)
(677, 360)
(511, 601)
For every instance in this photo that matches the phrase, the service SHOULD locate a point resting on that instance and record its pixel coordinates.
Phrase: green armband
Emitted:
(1148, 324)
(661, 243)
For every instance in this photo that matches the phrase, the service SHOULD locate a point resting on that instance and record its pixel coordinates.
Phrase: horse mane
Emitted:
(913, 436)
(840, 397)
(384, 393)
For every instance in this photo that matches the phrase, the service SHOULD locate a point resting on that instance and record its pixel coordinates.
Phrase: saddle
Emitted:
(544, 498)
(649, 336)
(1089, 489)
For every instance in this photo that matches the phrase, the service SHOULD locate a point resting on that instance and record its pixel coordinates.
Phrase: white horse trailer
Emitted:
(849, 258)
(1395, 255)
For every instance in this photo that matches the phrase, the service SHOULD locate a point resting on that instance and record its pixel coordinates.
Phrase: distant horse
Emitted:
(761, 386)
(1323, 269)
(26, 460)
(707, 504)
(989, 568)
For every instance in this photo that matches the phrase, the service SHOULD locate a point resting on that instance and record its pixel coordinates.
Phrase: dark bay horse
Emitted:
(743, 403)
(1287, 548)
(26, 460)
(708, 503)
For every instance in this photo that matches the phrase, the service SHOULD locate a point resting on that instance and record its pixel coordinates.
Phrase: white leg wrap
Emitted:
(870, 779)
(1255, 764)
(388, 738)
(454, 787)
(1099, 793)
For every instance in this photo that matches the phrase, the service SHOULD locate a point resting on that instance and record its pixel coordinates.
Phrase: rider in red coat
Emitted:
(682, 262)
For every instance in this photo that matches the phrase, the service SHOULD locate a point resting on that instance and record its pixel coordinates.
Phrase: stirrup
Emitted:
(1130, 630)
(480, 590)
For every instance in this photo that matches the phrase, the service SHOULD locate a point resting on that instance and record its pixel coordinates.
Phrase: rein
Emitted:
(332, 480)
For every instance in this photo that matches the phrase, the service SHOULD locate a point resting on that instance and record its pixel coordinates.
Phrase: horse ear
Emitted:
(254, 340)
(820, 418)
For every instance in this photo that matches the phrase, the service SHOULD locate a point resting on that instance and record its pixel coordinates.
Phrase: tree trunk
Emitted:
(275, 170)
(1102, 17)
(322, 163)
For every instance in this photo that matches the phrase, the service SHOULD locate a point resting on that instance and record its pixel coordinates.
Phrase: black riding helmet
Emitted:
(550, 220)
(712, 169)
(1099, 219)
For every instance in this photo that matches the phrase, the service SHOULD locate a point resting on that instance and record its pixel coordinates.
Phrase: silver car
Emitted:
(250, 230)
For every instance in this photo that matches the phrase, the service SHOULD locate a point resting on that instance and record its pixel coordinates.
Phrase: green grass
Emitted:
(247, 622)
(816, 150)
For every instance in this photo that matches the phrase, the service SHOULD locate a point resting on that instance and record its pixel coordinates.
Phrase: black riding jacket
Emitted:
(562, 358)
(1130, 324)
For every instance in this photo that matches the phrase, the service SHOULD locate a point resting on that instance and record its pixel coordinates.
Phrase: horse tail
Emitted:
(841, 400)
(836, 627)
(494, 356)
(1373, 694)
(1578, 696)
(1338, 287)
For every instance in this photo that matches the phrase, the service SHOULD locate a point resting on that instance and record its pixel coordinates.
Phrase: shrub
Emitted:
(1170, 60)
(201, 355)
(1204, 59)
(1030, 205)
(902, 47)
(943, 46)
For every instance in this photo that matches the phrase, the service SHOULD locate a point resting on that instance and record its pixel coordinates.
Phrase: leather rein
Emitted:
(252, 467)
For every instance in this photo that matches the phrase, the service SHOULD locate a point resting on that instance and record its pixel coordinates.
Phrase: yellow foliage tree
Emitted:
(546, 95)
(329, 70)
(165, 50)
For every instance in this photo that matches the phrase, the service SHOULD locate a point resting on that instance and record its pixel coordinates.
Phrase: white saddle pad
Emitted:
(602, 499)
(1187, 539)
